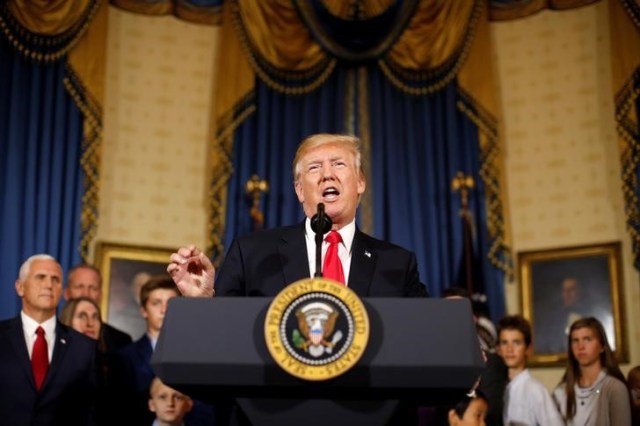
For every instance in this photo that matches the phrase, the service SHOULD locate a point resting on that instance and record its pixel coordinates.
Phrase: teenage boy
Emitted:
(527, 401)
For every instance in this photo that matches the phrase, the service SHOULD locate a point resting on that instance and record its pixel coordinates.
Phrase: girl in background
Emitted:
(593, 390)
(83, 315)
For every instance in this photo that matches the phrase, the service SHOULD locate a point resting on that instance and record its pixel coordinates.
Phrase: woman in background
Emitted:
(83, 315)
(593, 390)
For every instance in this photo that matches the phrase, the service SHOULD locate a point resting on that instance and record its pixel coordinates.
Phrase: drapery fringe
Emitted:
(626, 101)
(633, 9)
(222, 168)
(366, 217)
(89, 160)
(420, 83)
(297, 82)
(499, 253)
(44, 48)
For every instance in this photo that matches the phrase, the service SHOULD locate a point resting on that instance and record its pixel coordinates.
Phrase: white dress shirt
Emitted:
(29, 326)
(528, 402)
(344, 250)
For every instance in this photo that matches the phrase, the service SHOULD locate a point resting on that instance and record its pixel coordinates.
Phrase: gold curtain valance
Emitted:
(285, 54)
(505, 11)
(437, 31)
(49, 17)
(198, 13)
(46, 30)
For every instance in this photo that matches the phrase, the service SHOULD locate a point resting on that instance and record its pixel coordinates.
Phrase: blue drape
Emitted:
(41, 136)
(265, 145)
(419, 144)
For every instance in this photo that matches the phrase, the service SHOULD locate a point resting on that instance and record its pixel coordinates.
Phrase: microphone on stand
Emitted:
(321, 224)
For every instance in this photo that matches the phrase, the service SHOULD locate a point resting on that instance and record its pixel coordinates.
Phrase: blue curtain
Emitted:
(41, 134)
(265, 145)
(419, 144)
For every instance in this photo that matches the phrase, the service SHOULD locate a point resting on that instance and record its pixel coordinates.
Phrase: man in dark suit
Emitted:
(61, 389)
(327, 169)
(86, 280)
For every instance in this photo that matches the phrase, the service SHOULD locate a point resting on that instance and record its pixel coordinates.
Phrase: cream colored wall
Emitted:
(157, 121)
(562, 158)
(561, 150)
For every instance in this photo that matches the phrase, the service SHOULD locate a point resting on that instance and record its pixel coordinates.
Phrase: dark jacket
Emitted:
(69, 390)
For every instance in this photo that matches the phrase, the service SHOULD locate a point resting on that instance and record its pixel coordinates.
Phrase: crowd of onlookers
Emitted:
(100, 375)
(97, 374)
(592, 391)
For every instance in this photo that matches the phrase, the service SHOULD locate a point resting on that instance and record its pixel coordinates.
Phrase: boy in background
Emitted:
(132, 371)
(527, 401)
(169, 405)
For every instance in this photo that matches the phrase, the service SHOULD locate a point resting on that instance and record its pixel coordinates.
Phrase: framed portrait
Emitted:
(125, 268)
(559, 286)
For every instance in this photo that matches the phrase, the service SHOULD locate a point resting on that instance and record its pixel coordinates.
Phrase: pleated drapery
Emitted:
(51, 84)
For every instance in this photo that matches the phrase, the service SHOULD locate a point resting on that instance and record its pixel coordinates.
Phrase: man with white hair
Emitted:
(47, 370)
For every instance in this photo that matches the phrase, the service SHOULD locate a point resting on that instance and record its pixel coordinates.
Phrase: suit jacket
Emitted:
(131, 376)
(263, 263)
(114, 339)
(67, 396)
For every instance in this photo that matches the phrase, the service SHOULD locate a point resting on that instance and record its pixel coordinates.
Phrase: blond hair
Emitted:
(349, 142)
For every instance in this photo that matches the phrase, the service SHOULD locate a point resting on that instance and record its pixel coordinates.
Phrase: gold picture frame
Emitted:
(561, 285)
(125, 268)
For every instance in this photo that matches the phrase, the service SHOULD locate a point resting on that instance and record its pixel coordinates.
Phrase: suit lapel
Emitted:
(19, 346)
(293, 254)
(363, 261)
(145, 351)
(63, 340)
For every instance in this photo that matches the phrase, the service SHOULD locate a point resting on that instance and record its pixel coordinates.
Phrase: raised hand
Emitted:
(192, 271)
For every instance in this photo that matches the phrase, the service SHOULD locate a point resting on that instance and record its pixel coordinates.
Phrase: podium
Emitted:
(420, 351)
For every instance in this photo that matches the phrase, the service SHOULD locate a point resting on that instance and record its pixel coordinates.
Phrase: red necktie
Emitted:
(332, 267)
(40, 358)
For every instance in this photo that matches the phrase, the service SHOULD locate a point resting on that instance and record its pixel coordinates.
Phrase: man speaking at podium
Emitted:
(328, 175)
(327, 169)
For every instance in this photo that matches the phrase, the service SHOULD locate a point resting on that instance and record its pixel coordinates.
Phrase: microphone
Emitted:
(321, 224)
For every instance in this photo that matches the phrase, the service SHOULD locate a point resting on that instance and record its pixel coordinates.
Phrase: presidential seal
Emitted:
(316, 329)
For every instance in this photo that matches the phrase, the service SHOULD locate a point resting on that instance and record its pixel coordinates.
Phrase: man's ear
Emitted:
(362, 184)
(453, 417)
(19, 288)
(298, 187)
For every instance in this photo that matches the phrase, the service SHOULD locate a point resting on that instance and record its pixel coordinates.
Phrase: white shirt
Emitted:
(528, 402)
(29, 326)
(344, 250)
(153, 341)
